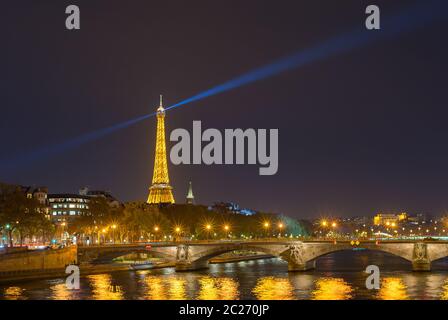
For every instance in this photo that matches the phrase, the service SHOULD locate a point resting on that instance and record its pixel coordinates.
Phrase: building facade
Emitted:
(66, 207)
(385, 219)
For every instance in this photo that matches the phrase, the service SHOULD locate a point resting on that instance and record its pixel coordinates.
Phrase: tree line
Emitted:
(24, 219)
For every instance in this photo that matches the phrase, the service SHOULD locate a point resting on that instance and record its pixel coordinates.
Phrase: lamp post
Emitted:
(324, 225)
(104, 235)
(226, 230)
(280, 228)
(114, 226)
(156, 230)
(266, 225)
(9, 231)
(334, 226)
(62, 231)
(178, 231)
(208, 229)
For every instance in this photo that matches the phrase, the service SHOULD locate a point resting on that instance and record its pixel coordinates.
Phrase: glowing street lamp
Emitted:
(103, 231)
(156, 230)
(266, 226)
(114, 226)
(178, 231)
(226, 228)
(280, 228)
(208, 229)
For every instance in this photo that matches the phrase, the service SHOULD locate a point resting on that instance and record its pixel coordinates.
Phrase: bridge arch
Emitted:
(96, 254)
(300, 256)
(212, 253)
(401, 255)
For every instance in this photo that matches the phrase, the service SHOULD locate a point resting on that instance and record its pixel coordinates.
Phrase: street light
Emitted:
(178, 230)
(114, 226)
(280, 228)
(208, 229)
(63, 232)
(266, 225)
(156, 230)
(226, 228)
(104, 234)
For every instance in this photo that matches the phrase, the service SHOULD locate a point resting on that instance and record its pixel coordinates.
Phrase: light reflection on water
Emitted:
(217, 289)
(392, 289)
(103, 287)
(337, 277)
(270, 288)
(13, 293)
(332, 289)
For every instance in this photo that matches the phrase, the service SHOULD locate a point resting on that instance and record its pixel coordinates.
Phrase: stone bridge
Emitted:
(300, 255)
(101, 254)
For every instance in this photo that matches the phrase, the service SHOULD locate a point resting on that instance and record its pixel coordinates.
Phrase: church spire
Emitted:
(190, 196)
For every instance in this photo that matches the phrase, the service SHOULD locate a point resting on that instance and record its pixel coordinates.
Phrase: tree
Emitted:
(141, 219)
(20, 214)
(96, 219)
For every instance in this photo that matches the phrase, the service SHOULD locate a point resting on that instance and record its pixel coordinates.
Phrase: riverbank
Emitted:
(90, 269)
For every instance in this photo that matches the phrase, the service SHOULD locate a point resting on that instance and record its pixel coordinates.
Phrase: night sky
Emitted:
(359, 132)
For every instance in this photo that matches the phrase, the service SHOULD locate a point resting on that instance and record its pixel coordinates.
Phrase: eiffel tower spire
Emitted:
(160, 190)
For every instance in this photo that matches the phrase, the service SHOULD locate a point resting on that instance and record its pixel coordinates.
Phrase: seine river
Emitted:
(337, 276)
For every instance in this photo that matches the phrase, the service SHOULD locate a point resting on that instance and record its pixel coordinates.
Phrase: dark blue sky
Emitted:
(358, 132)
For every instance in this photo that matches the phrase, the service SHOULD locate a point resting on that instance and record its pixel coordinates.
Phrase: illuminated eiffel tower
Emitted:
(160, 191)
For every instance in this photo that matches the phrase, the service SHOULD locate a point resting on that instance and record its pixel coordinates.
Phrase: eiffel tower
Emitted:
(160, 191)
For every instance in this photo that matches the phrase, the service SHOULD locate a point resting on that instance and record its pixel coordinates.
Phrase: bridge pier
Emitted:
(421, 266)
(293, 266)
(191, 266)
(420, 257)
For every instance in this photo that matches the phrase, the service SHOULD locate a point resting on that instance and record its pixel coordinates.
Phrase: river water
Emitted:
(338, 276)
